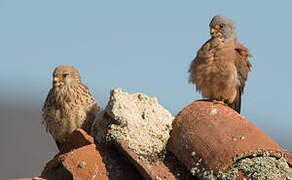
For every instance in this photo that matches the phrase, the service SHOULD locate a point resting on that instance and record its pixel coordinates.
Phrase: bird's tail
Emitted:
(236, 104)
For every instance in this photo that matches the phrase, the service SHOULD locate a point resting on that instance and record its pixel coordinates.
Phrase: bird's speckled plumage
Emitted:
(221, 66)
(68, 106)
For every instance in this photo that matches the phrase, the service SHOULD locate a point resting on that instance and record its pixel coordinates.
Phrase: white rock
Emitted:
(140, 120)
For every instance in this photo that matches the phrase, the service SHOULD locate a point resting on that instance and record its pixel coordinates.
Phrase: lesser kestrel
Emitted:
(221, 66)
(69, 105)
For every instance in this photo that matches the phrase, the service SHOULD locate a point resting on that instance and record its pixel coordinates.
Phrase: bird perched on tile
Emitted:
(221, 66)
(68, 106)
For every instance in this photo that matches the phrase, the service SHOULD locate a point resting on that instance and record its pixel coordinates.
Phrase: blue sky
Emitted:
(145, 46)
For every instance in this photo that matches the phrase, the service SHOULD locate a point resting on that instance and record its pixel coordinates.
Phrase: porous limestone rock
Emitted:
(140, 120)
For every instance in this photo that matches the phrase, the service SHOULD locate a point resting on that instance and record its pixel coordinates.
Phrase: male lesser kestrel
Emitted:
(68, 106)
(221, 66)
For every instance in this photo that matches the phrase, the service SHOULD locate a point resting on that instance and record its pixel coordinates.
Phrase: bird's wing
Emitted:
(86, 93)
(243, 66)
(91, 106)
(197, 68)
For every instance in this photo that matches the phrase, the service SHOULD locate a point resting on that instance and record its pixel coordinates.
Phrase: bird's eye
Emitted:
(221, 26)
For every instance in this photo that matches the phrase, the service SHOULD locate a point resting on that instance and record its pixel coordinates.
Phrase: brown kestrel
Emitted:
(68, 106)
(221, 66)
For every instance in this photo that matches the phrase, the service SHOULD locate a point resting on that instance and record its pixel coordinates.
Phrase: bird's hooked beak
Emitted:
(216, 31)
(57, 78)
(213, 31)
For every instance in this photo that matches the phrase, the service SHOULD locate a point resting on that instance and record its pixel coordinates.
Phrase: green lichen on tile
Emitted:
(260, 168)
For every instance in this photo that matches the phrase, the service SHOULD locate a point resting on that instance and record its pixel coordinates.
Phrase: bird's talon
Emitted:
(219, 102)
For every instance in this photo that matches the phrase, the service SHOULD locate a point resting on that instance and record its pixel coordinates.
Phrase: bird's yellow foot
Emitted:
(215, 101)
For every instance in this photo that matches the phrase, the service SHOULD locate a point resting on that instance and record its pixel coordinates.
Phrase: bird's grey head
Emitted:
(223, 28)
(65, 75)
